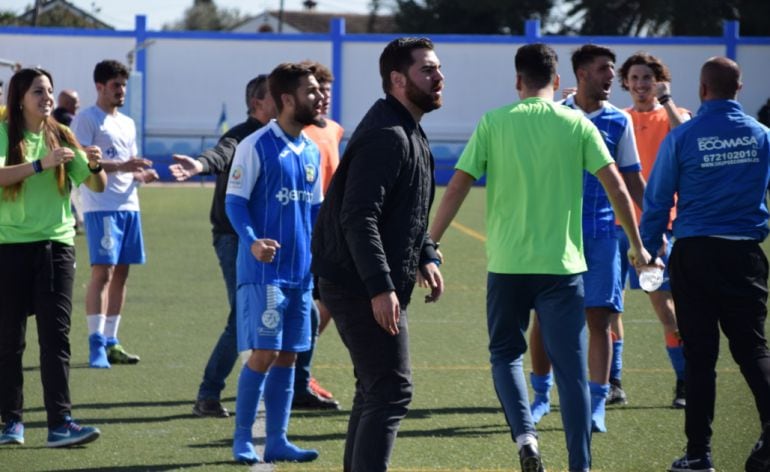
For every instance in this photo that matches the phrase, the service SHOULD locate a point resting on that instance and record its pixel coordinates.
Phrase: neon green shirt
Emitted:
(40, 212)
(534, 153)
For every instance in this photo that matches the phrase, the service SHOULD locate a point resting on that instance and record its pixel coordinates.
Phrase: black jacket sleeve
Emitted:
(371, 176)
(217, 159)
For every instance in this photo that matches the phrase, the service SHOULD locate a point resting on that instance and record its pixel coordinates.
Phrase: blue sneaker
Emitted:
(97, 352)
(13, 433)
(71, 433)
(689, 463)
(282, 450)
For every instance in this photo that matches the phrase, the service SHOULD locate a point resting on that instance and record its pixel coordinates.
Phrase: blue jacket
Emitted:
(718, 164)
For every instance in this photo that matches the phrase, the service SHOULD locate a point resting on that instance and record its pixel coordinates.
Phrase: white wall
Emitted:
(189, 76)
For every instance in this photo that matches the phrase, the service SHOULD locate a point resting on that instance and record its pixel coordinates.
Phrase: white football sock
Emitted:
(111, 326)
(95, 323)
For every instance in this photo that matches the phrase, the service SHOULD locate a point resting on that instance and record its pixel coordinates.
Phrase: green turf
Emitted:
(176, 309)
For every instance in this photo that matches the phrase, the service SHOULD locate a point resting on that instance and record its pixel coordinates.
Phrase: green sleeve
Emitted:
(473, 159)
(77, 168)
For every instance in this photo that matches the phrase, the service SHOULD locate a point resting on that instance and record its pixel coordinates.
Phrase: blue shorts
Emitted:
(602, 282)
(114, 237)
(273, 318)
(628, 274)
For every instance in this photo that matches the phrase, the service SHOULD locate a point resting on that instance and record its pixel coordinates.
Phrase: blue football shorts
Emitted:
(273, 318)
(114, 237)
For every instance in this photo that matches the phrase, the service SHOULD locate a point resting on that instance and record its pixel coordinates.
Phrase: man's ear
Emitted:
(397, 79)
(556, 82)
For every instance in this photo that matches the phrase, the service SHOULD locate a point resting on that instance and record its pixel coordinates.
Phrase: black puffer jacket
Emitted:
(370, 235)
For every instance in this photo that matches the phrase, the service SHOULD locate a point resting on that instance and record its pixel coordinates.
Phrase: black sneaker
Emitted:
(616, 395)
(759, 459)
(688, 463)
(211, 408)
(529, 459)
(309, 400)
(679, 400)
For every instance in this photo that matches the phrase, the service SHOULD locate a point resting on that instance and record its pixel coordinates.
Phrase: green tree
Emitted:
(666, 17)
(465, 17)
(205, 15)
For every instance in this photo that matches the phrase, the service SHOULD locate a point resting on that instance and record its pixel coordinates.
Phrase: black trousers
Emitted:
(383, 378)
(720, 283)
(36, 278)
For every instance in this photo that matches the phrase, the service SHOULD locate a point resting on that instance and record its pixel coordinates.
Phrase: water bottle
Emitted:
(651, 278)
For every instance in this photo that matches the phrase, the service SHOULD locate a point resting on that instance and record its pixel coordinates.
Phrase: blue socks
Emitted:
(598, 397)
(616, 365)
(250, 384)
(97, 352)
(541, 405)
(676, 355)
(279, 391)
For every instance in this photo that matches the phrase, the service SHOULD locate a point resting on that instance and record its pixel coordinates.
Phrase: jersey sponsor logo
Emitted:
(111, 152)
(310, 173)
(271, 319)
(236, 177)
(287, 195)
(712, 143)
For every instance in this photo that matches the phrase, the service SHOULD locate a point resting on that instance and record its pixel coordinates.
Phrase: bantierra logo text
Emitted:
(286, 195)
(729, 151)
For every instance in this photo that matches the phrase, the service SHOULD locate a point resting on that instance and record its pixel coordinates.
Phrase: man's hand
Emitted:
(185, 167)
(662, 88)
(264, 250)
(134, 164)
(639, 257)
(387, 311)
(146, 176)
(429, 276)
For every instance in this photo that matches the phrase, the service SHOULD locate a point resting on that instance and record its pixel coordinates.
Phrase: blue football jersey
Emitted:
(617, 129)
(274, 184)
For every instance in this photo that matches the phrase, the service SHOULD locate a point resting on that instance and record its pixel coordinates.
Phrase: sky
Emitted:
(121, 13)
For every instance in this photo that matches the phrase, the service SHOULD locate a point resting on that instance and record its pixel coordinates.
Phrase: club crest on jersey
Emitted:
(310, 173)
(236, 177)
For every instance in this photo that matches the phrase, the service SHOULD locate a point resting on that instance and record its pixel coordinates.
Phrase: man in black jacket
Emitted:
(217, 160)
(370, 239)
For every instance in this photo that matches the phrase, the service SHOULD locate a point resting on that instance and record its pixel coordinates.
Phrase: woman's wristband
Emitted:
(37, 166)
(663, 99)
(95, 170)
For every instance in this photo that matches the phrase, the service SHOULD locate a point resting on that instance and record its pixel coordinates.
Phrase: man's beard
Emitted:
(424, 101)
(305, 115)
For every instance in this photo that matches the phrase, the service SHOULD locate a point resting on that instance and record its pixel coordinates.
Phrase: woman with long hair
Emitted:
(40, 160)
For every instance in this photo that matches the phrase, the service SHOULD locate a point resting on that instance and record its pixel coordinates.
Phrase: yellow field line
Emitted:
(470, 232)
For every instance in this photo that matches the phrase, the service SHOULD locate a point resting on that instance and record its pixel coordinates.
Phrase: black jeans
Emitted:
(717, 282)
(36, 278)
(383, 378)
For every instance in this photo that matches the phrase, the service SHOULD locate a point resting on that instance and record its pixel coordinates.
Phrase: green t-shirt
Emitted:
(534, 153)
(40, 212)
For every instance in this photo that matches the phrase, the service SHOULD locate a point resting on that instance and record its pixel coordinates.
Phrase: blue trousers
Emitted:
(225, 352)
(558, 300)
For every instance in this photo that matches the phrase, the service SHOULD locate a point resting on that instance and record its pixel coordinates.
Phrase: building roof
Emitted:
(318, 22)
(63, 6)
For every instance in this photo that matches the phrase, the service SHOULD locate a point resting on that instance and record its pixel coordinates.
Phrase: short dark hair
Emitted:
(536, 64)
(109, 69)
(285, 78)
(322, 73)
(643, 58)
(587, 53)
(256, 88)
(397, 56)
